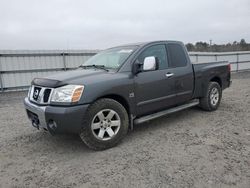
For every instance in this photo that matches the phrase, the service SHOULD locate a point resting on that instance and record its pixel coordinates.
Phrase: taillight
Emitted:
(229, 67)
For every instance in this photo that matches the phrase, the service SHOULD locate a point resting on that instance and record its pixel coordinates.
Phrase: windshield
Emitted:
(111, 58)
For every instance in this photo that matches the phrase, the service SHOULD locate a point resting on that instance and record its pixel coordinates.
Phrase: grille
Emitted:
(40, 95)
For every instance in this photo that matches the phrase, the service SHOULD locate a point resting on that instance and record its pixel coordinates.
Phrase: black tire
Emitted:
(206, 102)
(89, 137)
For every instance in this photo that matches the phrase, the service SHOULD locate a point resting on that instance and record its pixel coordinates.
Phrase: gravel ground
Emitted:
(191, 148)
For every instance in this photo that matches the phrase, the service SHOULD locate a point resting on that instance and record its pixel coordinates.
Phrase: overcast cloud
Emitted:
(97, 24)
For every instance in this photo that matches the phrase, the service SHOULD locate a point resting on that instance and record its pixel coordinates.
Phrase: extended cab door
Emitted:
(182, 71)
(153, 89)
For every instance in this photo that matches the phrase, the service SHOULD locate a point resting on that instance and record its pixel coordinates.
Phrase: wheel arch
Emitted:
(119, 99)
(216, 79)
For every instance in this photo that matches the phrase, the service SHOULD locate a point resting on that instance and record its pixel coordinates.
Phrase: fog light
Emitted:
(52, 125)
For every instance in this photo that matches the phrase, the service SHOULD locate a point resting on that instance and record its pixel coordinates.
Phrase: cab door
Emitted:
(154, 90)
(182, 71)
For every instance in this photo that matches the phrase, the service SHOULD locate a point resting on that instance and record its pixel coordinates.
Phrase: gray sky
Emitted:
(92, 24)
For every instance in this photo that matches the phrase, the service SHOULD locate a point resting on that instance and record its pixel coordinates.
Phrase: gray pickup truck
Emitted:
(122, 86)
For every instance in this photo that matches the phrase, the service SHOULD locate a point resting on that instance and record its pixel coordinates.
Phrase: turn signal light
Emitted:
(77, 94)
(229, 67)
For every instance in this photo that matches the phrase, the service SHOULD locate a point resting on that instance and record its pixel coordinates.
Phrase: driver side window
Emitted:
(158, 51)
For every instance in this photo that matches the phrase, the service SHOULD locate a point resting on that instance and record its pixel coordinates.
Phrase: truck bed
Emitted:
(205, 72)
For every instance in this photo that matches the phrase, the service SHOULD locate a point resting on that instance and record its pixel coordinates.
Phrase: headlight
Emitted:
(68, 93)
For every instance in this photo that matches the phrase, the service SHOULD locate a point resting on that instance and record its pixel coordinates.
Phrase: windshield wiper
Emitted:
(94, 66)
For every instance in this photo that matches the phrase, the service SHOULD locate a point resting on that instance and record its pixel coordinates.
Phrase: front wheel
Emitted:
(212, 98)
(105, 124)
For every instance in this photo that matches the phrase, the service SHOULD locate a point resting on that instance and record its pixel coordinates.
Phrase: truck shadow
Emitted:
(42, 141)
(73, 143)
(168, 120)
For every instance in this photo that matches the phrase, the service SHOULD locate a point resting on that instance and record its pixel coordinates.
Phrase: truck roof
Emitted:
(141, 44)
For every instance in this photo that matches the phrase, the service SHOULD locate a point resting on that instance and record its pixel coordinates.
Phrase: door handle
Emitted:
(168, 75)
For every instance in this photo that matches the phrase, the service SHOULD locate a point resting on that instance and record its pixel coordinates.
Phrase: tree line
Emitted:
(242, 45)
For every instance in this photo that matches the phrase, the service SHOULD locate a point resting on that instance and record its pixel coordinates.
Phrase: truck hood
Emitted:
(70, 77)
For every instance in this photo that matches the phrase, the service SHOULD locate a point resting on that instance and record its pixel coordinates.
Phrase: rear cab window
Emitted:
(177, 56)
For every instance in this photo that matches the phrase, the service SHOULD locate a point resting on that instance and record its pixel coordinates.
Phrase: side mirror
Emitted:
(149, 64)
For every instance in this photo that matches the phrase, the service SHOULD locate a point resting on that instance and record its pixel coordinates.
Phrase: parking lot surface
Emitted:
(192, 148)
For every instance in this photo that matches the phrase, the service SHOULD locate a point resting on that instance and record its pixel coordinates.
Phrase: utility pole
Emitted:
(210, 42)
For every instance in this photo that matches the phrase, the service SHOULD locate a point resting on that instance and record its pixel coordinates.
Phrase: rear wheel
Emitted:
(212, 98)
(105, 124)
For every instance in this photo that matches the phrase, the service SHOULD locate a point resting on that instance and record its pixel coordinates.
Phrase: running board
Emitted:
(166, 112)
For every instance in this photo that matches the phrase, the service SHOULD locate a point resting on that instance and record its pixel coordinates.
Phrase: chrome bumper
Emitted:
(56, 119)
(36, 110)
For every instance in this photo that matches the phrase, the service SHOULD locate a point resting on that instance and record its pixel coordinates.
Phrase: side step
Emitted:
(166, 112)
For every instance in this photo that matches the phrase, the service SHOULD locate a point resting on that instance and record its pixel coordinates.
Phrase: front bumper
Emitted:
(56, 119)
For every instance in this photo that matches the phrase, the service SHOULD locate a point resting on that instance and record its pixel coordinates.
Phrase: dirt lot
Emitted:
(191, 148)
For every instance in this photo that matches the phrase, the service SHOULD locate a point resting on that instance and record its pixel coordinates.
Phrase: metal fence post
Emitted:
(216, 58)
(64, 61)
(1, 80)
(196, 56)
(237, 62)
